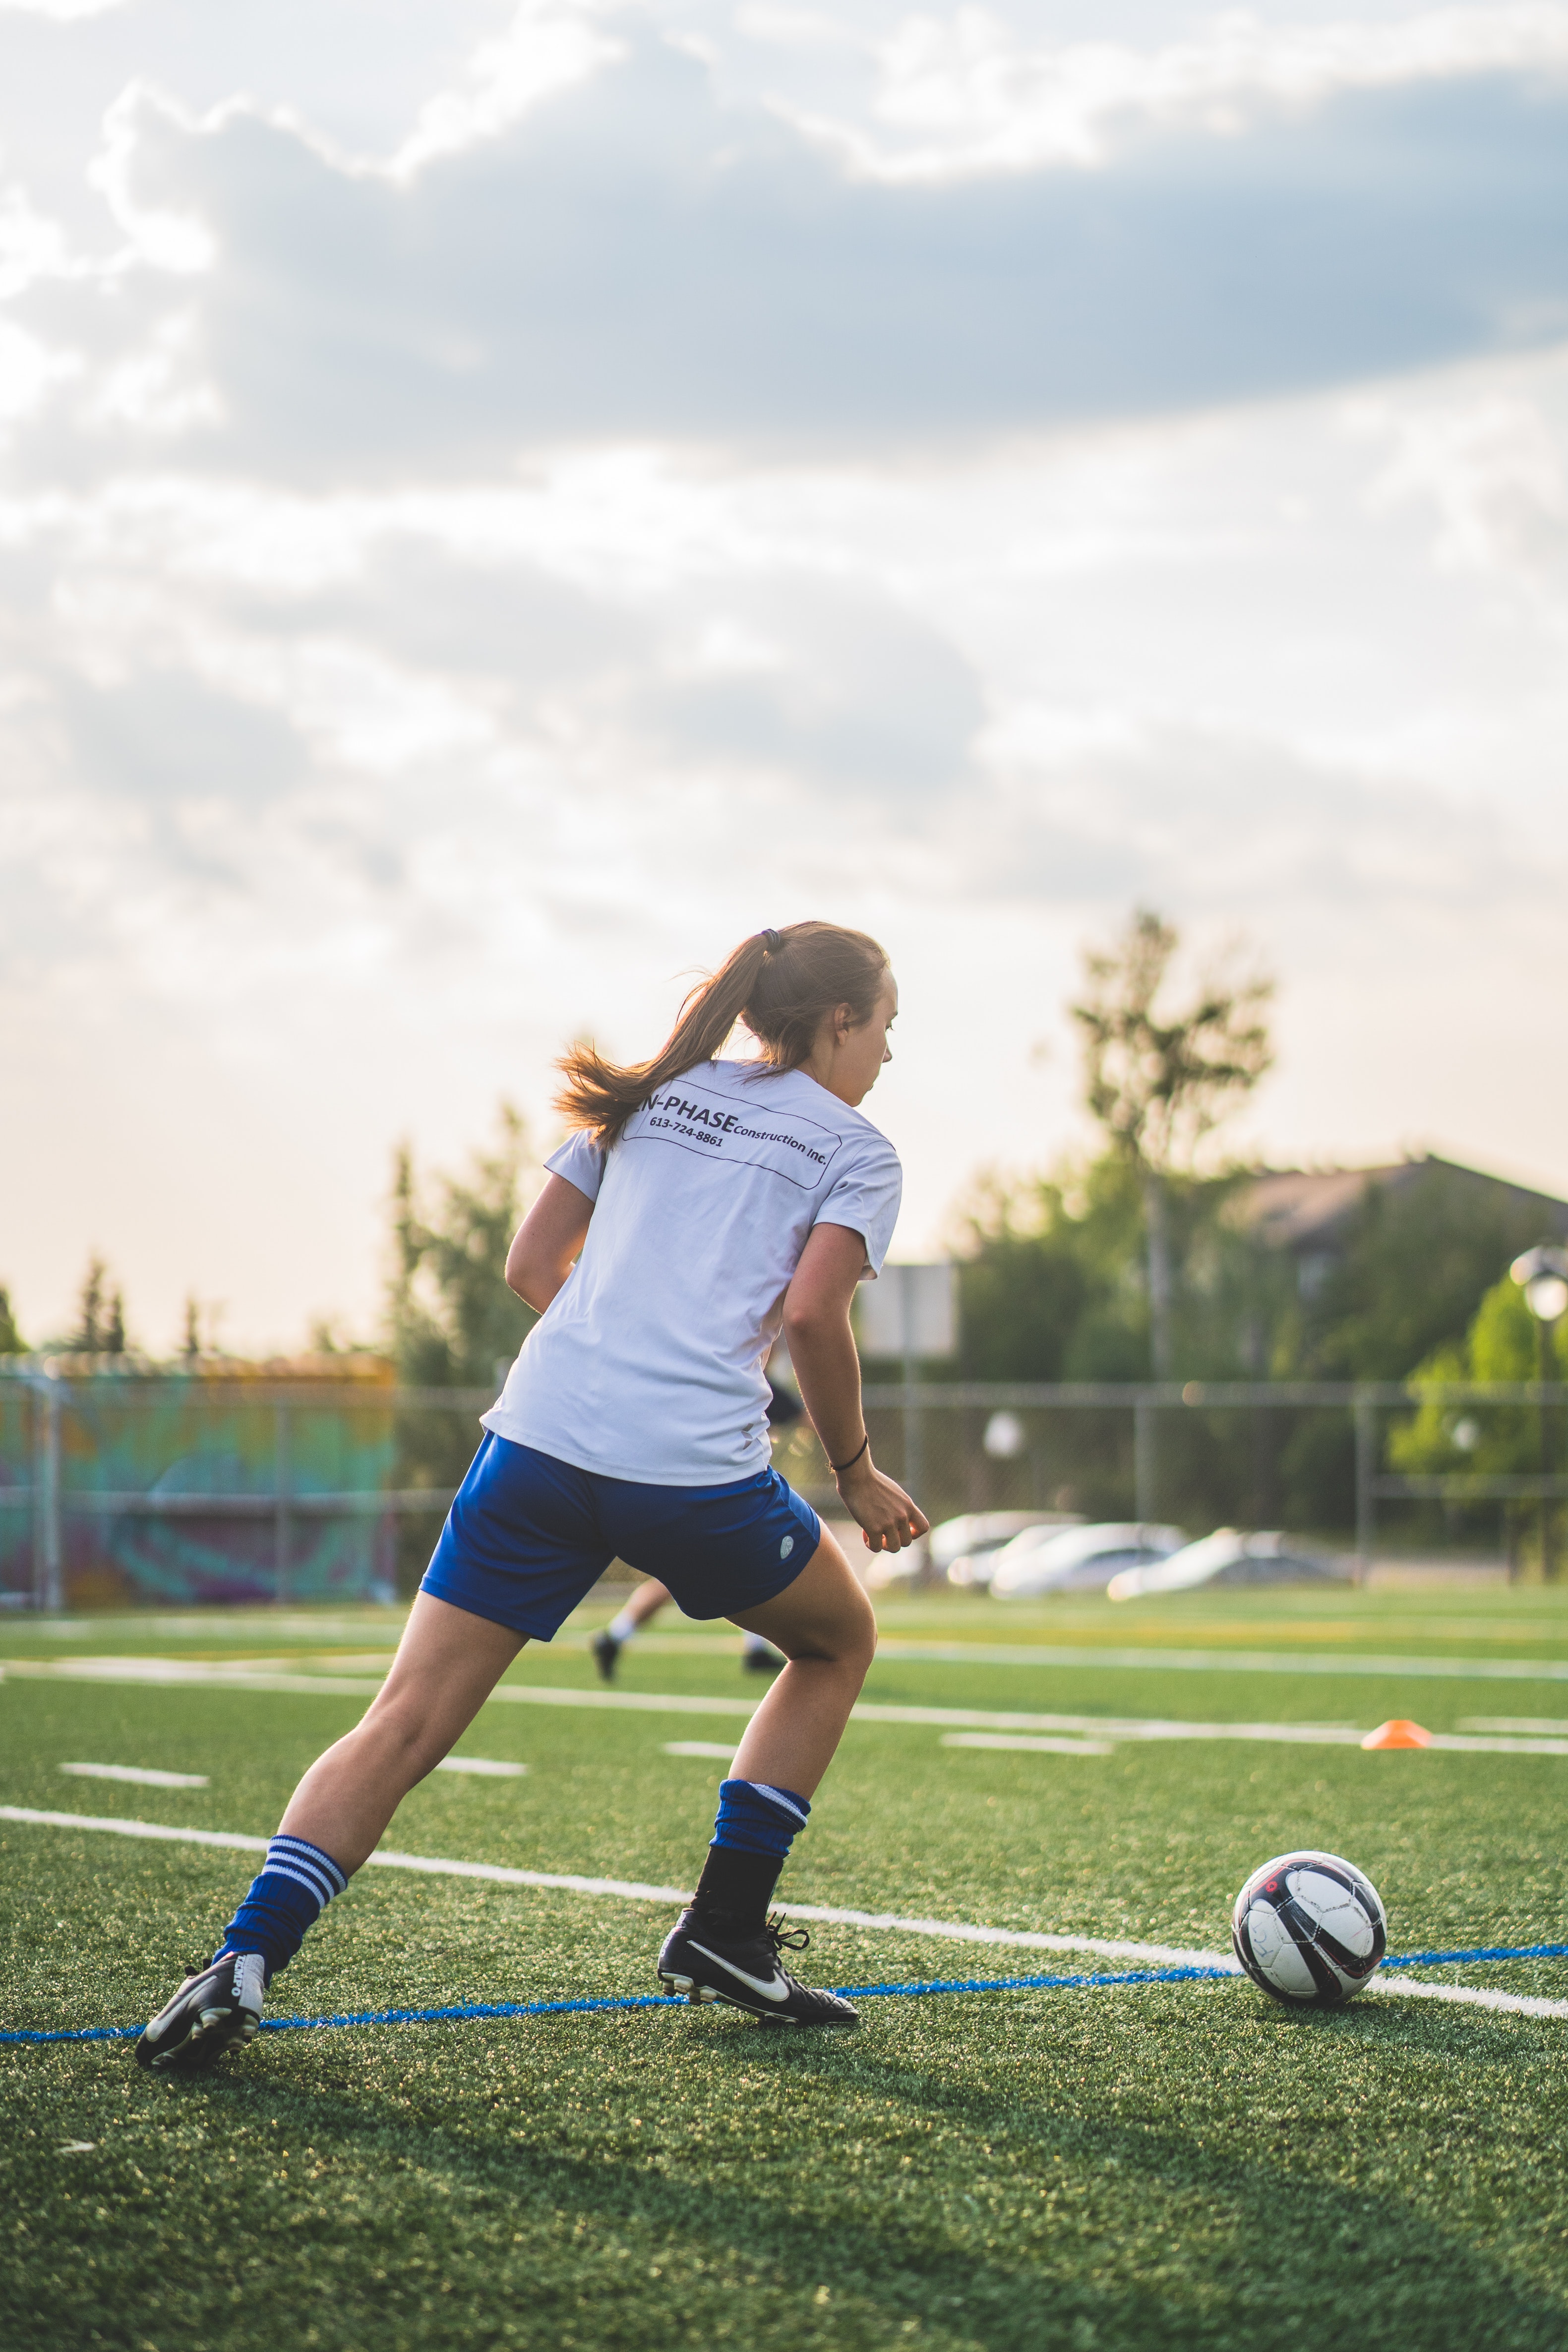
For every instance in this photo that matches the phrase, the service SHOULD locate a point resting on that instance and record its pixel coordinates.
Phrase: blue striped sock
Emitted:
(757, 1818)
(297, 1883)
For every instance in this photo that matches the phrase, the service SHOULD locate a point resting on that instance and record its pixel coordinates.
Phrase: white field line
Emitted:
(165, 1672)
(1548, 1726)
(1102, 1727)
(176, 1672)
(1232, 1662)
(486, 1766)
(1029, 1745)
(1464, 1743)
(1206, 1662)
(957, 1931)
(146, 1775)
(231, 1839)
(1471, 1996)
(274, 1625)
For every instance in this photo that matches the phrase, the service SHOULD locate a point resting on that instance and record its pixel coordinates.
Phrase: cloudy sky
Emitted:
(496, 503)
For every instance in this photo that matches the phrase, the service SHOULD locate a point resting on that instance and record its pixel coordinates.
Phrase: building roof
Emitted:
(1304, 1209)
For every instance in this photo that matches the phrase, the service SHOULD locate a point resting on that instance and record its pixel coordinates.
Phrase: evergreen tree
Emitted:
(101, 1315)
(11, 1340)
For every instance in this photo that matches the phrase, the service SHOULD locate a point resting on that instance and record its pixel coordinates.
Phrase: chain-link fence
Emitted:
(119, 1489)
(1311, 1456)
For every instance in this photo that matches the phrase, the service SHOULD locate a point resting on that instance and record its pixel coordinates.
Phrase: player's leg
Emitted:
(447, 1666)
(826, 1629)
(447, 1663)
(646, 1602)
(723, 1948)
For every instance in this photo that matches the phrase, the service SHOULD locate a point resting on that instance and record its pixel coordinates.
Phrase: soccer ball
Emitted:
(1309, 1929)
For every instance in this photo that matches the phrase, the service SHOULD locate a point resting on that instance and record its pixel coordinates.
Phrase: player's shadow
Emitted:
(1096, 2208)
(1407, 2278)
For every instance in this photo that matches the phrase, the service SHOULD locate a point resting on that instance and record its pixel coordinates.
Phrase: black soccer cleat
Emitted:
(607, 1650)
(215, 2010)
(762, 1660)
(705, 1966)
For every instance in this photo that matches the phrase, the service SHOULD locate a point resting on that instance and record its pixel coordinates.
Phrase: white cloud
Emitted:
(963, 93)
(62, 12)
(1495, 474)
(635, 258)
(159, 388)
(164, 235)
(546, 49)
(452, 581)
(31, 246)
(27, 370)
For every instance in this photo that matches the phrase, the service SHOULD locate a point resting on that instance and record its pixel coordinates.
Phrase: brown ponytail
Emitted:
(780, 983)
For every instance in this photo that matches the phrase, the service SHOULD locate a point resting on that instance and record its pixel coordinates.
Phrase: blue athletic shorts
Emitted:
(528, 1535)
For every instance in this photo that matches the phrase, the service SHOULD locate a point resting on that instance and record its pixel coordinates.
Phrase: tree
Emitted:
(1413, 1268)
(1048, 1284)
(101, 1315)
(451, 1321)
(451, 1317)
(11, 1340)
(1486, 1440)
(1161, 1078)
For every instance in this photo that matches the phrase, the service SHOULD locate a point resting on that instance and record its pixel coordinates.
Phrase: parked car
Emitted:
(1226, 1558)
(965, 1549)
(1076, 1560)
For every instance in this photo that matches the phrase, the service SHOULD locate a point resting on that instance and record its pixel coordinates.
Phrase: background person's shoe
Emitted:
(607, 1650)
(215, 2010)
(704, 1965)
(762, 1660)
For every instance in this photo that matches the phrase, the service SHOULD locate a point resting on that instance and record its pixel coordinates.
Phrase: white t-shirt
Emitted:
(648, 1364)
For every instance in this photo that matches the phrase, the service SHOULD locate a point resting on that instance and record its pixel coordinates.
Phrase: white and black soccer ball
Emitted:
(1310, 1928)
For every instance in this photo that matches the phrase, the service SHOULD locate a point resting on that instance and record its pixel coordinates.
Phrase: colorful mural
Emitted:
(227, 1482)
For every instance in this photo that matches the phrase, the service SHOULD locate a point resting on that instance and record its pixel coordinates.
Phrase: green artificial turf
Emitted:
(1168, 2164)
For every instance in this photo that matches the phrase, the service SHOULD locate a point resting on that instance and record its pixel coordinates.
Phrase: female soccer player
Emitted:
(699, 1205)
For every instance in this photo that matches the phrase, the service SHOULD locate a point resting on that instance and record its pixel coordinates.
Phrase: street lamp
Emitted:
(1542, 1274)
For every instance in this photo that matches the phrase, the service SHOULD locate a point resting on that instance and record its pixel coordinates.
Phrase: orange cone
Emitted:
(1398, 1734)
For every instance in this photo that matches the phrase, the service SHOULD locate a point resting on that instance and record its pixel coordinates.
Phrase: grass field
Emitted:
(1162, 2165)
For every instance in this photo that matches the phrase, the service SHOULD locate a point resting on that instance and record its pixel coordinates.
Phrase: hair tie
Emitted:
(773, 941)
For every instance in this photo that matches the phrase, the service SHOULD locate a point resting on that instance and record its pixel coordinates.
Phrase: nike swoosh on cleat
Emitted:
(776, 1991)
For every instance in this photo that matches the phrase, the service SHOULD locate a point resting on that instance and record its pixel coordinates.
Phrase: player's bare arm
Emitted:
(821, 1351)
(548, 1243)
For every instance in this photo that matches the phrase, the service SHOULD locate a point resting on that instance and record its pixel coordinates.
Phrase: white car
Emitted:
(965, 1549)
(1226, 1558)
(1078, 1560)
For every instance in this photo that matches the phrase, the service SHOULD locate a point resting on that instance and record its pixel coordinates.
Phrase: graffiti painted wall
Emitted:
(226, 1483)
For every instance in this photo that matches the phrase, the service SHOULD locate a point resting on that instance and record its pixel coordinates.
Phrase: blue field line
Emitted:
(642, 2000)
(1027, 1984)
(1489, 1952)
(908, 1991)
